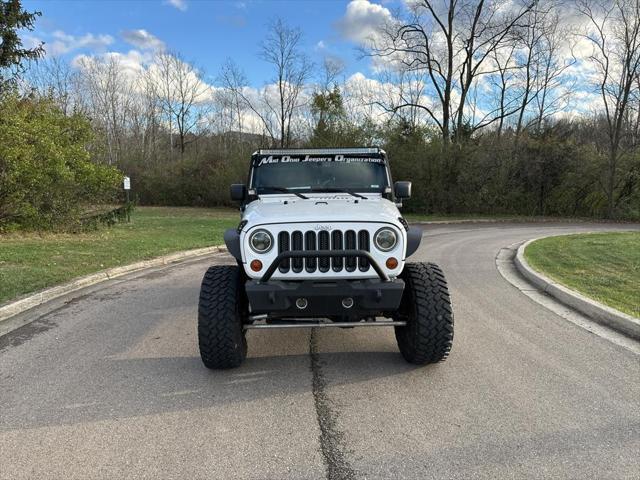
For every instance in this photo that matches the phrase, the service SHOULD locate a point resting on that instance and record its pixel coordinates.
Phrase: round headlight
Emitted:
(385, 239)
(261, 241)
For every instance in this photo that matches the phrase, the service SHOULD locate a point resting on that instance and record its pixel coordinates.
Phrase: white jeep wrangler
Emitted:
(321, 243)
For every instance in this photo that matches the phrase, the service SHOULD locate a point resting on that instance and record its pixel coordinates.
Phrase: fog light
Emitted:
(301, 303)
(392, 263)
(347, 302)
(256, 265)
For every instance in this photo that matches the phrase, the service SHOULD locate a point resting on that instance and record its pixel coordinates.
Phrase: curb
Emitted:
(9, 310)
(619, 321)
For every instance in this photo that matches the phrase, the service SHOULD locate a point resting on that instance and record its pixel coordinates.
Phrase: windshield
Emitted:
(360, 175)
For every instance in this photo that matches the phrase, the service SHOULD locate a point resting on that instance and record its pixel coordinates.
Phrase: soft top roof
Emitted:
(322, 151)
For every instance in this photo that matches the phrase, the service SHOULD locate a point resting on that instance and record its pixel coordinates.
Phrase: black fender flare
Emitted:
(232, 241)
(414, 237)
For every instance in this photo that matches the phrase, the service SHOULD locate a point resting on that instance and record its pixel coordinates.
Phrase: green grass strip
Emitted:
(31, 262)
(602, 266)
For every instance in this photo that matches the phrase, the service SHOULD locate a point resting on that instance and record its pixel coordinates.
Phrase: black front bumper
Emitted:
(324, 298)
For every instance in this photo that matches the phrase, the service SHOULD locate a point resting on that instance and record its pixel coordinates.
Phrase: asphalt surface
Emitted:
(110, 385)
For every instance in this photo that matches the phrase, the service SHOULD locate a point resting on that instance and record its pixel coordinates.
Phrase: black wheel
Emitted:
(221, 311)
(426, 307)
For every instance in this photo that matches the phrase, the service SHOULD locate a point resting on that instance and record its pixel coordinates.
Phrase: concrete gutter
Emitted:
(11, 309)
(610, 317)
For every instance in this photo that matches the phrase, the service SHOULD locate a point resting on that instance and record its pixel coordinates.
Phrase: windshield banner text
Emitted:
(310, 158)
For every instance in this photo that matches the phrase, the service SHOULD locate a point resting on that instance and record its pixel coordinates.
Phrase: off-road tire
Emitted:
(221, 310)
(426, 307)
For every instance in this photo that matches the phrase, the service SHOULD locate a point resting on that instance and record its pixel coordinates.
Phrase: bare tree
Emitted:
(635, 141)
(453, 42)
(282, 50)
(553, 86)
(146, 113)
(544, 47)
(401, 95)
(233, 81)
(332, 68)
(412, 44)
(327, 103)
(360, 101)
(107, 95)
(54, 77)
(531, 35)
(501, 80)
(487, 26)
(184, 96)
(614, 32)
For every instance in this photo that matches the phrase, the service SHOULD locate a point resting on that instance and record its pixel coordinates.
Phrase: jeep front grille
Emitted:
(323, 240)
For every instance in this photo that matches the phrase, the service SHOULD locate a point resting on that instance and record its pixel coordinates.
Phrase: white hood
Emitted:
(321, 207)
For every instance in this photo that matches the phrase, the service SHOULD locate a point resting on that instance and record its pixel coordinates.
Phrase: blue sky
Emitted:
(204, 32)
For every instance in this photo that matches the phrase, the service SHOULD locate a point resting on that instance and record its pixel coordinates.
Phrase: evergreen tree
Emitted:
(12, 53)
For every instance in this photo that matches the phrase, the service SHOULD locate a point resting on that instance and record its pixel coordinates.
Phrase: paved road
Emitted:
(111, 386)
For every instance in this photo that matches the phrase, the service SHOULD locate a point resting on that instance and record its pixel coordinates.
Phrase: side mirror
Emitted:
(402, 190)
(238, 192)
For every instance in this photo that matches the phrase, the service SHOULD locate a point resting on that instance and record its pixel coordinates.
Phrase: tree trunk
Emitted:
(611, 182)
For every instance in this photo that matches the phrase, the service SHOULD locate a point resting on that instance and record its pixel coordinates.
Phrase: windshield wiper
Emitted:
(337, 190)
(286, 190)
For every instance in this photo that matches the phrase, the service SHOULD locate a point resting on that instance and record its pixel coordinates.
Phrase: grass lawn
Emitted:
(602, 266)
(31, 262)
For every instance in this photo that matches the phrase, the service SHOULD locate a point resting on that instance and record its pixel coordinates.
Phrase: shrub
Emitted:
(46, 176)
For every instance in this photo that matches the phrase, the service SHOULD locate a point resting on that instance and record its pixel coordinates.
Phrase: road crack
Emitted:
(331, 438)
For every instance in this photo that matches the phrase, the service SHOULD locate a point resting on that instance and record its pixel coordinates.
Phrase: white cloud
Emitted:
(64, 43)
(365, 24)
(32, 41)
(363, 20)
(143, 40)
(128, 66)
(179, 4)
